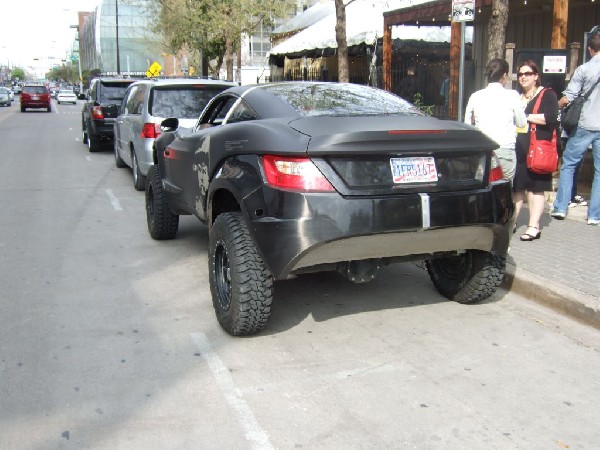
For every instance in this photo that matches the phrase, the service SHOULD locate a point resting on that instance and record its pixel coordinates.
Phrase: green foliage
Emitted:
(205, 26)
(418, 102)
(19, 73)
(65, 72)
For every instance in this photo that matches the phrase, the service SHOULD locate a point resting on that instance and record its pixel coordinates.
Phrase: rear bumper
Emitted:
(102, 130)
(35, 104)
(295, 231)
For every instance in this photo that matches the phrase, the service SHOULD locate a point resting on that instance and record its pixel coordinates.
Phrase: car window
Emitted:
(112, 92)
(37, 90)
(218, 111)
(127, 107)
(241, 113)
(323, 99)
(183, 102)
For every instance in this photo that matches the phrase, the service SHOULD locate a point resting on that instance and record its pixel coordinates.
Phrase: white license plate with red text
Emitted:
(416, 169)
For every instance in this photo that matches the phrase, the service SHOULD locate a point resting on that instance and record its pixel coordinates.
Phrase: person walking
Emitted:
(526, 182)
(498, 112)
(409, 85)
(587, 133)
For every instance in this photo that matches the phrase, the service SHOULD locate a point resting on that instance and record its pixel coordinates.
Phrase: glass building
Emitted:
(136, 47)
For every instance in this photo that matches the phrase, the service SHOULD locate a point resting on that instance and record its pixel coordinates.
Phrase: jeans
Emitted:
(577, 145)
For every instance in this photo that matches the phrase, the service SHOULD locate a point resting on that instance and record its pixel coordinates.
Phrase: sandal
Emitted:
(531, 237)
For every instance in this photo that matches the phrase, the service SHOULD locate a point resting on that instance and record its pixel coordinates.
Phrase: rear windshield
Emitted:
(326, 99)
(35, 90)
(186, 102)
(112, 92)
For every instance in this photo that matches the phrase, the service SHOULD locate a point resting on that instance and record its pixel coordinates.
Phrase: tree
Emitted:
(213, 29)
(18, 74)
(497, 29)
(340, 37)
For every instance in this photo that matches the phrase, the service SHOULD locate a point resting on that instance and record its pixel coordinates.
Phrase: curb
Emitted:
(567, 301)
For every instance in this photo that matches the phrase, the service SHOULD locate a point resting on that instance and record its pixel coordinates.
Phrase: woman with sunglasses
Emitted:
(526, 182)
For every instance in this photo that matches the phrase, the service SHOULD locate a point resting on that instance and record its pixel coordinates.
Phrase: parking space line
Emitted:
(114, 200)
(252, 429)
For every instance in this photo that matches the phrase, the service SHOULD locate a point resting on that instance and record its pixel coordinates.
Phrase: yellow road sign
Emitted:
(154, 69)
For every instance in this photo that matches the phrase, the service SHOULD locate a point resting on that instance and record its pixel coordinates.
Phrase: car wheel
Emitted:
(467, 278)
(139, 180)
(93, 144)
(118, 160)
(23, 109)
(57, 102)
(84, 135)
(49, 108)
(240, 282)
(162, 223)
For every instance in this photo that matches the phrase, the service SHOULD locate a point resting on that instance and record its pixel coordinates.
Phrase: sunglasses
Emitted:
(525, 74)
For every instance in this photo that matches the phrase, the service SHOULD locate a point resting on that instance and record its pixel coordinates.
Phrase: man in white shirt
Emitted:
(498, 112)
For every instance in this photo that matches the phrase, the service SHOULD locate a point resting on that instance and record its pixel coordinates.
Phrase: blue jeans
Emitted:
(577, 145)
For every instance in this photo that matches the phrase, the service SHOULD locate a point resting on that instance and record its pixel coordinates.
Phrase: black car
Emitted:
(303, 177)
(100, 110)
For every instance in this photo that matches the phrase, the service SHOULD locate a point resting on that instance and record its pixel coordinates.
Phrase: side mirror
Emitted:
(169, 125)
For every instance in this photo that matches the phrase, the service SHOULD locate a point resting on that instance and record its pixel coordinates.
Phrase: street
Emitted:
(109, 339)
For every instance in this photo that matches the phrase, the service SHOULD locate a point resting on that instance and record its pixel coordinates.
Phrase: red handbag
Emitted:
(542, 157)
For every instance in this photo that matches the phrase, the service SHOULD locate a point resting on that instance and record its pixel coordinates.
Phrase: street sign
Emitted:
(463, 10)
(154, 69)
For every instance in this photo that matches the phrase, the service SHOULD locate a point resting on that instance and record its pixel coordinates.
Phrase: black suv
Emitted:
(101, 109)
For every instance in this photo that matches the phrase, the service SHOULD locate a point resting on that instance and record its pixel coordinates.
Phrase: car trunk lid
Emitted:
(397, 154)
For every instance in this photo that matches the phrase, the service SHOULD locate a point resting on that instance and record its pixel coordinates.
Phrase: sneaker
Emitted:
(593, 222)
(558, 215)
(578, 200)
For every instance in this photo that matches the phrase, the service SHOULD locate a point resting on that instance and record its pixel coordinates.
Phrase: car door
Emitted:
(186, 159)
(121, 131)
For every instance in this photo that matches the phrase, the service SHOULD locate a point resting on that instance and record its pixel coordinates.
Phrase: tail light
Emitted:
(496, 172)
(97, 112)
(294, 173)
(150, 130)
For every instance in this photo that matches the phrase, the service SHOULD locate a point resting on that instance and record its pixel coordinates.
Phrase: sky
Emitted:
(39, 29)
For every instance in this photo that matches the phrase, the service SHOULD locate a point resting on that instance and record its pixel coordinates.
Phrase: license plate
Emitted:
(415, 169)
(35, 97)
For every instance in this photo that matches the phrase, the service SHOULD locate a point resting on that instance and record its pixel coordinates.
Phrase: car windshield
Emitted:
(186, 102)
(113, 92)
(328, 99)
(34, 90)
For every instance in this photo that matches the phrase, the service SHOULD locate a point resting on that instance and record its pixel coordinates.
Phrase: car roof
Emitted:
(185, 82)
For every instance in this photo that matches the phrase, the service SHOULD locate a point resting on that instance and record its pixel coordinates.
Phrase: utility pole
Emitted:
(117, 36)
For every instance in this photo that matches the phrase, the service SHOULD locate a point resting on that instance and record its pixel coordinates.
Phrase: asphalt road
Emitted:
(108, 339)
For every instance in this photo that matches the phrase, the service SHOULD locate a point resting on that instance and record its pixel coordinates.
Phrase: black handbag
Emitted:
(569, 117)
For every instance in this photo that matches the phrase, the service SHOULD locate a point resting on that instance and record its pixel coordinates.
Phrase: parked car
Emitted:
(5, 97)
(306, 177)
(66, 96)
(145, 105)
(100, 109)
(17, 88)
(35, 96)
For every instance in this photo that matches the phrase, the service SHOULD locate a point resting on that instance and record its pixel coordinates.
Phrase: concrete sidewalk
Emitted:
(562, 268)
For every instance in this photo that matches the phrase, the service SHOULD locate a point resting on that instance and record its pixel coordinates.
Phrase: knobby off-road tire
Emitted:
(162, 223)
(467, 278)
(240, 282)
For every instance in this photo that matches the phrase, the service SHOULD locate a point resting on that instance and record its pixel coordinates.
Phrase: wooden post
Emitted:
(455, 35)
(559, 24)
(387, 57)
(574, 49)
(509, 55)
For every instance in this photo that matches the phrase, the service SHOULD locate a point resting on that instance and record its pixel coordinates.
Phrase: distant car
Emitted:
(5, 98)
(35, 96)
(302, 177)
(145, 105)
(100, 110)
(66, 96)
(17, 88)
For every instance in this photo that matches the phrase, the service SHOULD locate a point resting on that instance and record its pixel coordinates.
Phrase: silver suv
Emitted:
(145, 105)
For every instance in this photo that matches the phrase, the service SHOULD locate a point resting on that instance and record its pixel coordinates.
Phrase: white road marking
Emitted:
(114, 200)
(252, 429)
